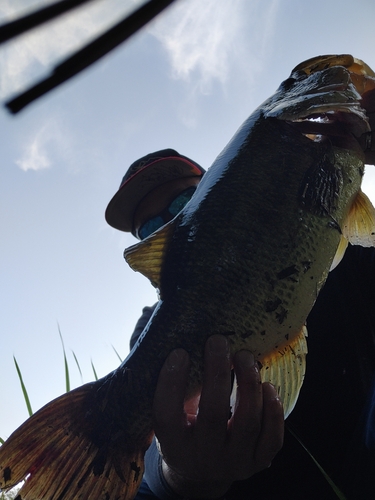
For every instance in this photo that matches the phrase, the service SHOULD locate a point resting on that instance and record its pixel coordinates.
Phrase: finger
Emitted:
(168, 408)
(212, 419)
(249, 403)
(272, 433)
(246, 423)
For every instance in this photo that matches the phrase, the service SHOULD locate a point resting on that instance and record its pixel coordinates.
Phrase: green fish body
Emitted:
(245, 258)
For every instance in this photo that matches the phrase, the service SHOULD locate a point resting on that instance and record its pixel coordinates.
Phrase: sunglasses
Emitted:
(167, 214)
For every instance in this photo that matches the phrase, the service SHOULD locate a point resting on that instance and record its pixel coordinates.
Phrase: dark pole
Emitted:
(90, 53)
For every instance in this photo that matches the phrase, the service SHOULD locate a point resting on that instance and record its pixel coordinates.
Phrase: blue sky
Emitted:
(187, 81)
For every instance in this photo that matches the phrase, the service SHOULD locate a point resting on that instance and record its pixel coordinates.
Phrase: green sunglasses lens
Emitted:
(173, 209)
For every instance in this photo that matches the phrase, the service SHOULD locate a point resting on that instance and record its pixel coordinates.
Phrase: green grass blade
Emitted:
(117, 354)
(335, 488)
(93, 369)
(67, 378)
(25, 395)
(2, 441)
(79, 368)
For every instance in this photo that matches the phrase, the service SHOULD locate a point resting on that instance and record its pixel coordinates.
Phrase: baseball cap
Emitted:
(143, 176)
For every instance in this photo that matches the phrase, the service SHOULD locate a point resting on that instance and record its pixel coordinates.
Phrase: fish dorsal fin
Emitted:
(148, 255)
(339, 252)
(285, 369)
(359, 226)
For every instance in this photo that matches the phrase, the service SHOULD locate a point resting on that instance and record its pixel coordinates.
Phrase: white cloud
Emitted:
(27, 57)
(215, 41)
(47, 144)
(35, 156)
(207, 39)
(198, 36)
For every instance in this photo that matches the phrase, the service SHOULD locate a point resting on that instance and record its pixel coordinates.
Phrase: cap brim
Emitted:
(120, 210)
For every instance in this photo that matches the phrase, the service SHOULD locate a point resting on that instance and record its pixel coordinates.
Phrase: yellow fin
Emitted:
(339, 252)
(147, 256)
(285, 369)
(359, 227)
(65, 455)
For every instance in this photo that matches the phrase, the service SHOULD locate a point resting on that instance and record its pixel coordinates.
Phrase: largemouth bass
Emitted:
(246, 258)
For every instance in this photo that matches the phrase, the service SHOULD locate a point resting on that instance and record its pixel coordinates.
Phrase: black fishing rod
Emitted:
(83, 57)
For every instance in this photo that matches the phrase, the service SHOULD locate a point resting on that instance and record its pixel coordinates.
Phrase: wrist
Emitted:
(191, 488)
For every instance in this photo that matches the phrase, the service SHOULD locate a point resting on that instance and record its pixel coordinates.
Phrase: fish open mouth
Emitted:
(349, 121)
(329, 97)
(332, 110)
(341, 122)
(342, 128)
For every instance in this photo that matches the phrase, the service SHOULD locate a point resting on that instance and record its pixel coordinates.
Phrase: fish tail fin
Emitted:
(67, 450)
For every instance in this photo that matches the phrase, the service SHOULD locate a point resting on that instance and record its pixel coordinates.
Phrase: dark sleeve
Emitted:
(141, 323)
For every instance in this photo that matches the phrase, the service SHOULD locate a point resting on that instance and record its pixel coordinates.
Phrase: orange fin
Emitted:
(359, 227)
(285, 369)
(63, 455)
(147, 256)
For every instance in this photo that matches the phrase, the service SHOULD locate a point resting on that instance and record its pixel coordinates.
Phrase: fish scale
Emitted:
(248, 258)
(253, 253)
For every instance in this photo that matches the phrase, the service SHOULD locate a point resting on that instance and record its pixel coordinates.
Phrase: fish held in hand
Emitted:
(245, 258)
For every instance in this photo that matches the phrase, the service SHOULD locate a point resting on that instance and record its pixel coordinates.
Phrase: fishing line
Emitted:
(335, 488)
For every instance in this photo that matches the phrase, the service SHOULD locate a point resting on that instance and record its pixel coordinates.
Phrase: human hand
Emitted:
(204, 453)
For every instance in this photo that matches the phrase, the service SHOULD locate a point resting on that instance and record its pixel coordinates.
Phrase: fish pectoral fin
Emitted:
(359, 226)
(147, 256)
(285, 368)
(339, 252)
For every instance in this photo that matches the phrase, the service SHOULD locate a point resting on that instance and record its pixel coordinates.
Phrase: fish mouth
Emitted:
(335, 104)
(337, 122)
(344, 127)
(329, 93)
(347, 120)
(329, 98)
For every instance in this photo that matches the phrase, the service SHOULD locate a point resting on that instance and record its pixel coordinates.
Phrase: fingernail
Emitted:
(176, 360)
(217, 344)
(246, 359)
